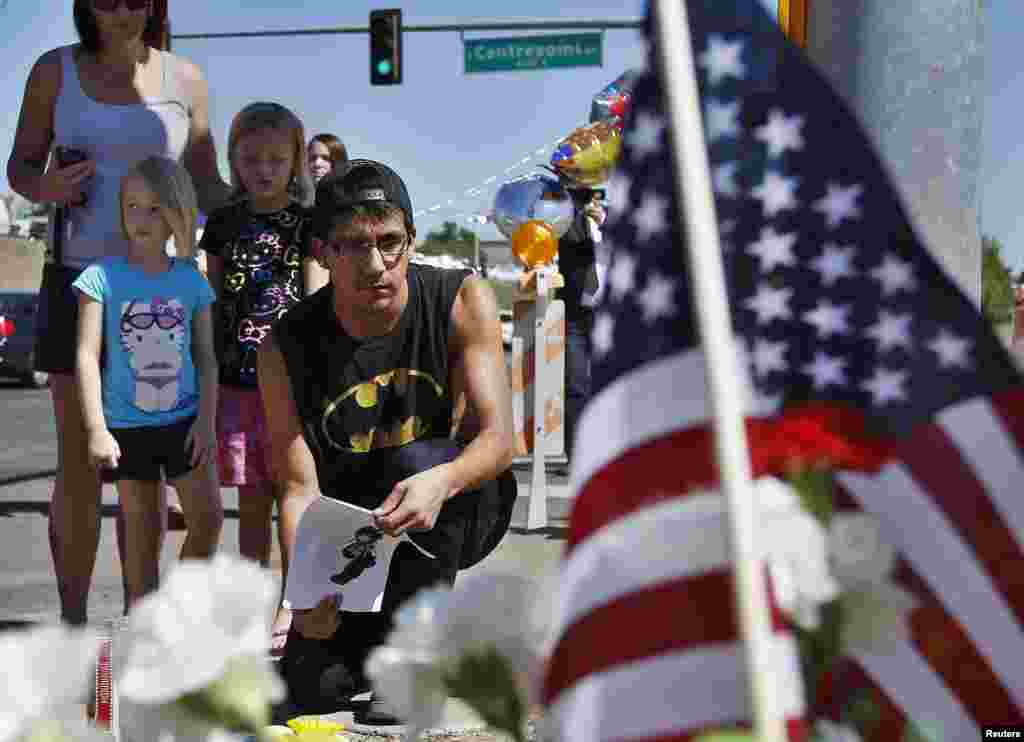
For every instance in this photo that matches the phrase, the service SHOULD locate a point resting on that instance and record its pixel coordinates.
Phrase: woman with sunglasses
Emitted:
(105, 103)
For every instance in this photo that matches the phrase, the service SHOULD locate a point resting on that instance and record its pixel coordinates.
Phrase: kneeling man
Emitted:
(361, 383)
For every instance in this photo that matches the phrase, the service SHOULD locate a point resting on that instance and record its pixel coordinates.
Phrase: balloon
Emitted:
(534, 243)
(588, 155)
(539, 197)
(614, 99)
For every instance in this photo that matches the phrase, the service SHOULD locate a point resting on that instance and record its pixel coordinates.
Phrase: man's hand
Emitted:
(317, 623)
(414, 503)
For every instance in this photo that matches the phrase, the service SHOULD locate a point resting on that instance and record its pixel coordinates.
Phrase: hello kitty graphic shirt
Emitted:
(262, 258)
(149, 379)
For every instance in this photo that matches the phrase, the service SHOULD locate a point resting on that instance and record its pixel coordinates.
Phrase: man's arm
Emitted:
(479, 361)
(293, 470)
(292, 463)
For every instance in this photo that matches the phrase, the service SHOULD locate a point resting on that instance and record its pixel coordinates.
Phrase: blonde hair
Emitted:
(172, 186)
(263, 115)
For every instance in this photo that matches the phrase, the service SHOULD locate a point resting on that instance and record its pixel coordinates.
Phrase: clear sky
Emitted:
(444, 131)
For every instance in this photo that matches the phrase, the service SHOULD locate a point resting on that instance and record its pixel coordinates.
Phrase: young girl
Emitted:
(150, 412)
(325, 152)
(259, 263)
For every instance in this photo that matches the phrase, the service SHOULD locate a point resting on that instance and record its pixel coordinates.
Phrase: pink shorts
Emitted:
(242, 443)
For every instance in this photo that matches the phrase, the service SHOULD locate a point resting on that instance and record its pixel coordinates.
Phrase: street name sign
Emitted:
(546, 52)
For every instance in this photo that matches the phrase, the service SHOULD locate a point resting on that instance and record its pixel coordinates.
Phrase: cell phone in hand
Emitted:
(67, 156)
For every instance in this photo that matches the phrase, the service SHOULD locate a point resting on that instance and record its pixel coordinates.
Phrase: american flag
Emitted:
(843, 318)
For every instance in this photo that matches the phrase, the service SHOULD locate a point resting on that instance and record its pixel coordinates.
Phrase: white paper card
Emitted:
(338, 551)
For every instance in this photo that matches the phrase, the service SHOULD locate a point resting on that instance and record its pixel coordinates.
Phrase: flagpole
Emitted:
(695, 203)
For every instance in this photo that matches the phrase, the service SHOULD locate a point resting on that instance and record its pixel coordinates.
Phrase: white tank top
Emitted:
(116, 137)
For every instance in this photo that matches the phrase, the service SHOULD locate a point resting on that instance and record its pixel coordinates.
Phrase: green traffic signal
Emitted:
(386, 47)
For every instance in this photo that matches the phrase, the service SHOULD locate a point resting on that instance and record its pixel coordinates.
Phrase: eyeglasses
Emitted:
(109, 6)
(391, 249)
(145, 320)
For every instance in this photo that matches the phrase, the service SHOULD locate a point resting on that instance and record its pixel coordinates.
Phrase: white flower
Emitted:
(859, 553)
(875, 618)
(47, 671)
(827, 731)
(438, 628)
(180, 638)
(795, 548)
(192, 660)
(412, 682)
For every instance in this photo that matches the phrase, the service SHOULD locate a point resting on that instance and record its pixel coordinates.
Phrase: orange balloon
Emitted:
(534, 243)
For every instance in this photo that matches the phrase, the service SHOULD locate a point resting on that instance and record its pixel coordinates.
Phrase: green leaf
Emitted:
(485, 680)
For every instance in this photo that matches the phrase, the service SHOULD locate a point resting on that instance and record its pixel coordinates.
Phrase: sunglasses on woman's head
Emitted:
(109, 6)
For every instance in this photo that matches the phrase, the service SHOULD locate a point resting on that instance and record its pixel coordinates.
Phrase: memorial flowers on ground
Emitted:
(192, 662)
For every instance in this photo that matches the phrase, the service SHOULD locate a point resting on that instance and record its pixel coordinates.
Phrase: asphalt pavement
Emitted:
(28, 456)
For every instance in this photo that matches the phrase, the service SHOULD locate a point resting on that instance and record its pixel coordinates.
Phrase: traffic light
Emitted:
(386, 47)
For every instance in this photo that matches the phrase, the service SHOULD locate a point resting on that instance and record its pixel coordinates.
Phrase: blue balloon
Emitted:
(538, 197)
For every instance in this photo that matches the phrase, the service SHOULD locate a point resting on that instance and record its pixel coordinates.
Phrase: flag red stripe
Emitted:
(1007, 407)
(944, 644)
(664, 469)
(670, 617)
(937, 465)
(845, 683)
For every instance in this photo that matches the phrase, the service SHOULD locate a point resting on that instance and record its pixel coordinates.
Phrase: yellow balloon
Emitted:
(534, 243)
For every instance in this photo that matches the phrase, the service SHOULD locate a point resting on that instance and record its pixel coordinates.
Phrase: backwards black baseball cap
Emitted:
(357, 182)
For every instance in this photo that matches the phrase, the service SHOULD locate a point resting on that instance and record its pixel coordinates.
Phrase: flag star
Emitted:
(776, 194)
(618, 192)
(782, 132)
(724, 178)
(826, 370)
(839, 203)
(768, 356)
(886, 386)
(829, 319)
(770, 303)
(645, 138)
(603, 335)
(891, 331)
(622, 276)
(774, 249)
(951, 350)
(652, 217)
(835, 262)
(894, 275)
(721, 119)
(723, 59)
(657, 298)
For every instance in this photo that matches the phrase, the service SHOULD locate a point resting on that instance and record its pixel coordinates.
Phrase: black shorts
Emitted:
(152, 454)
(57, 321)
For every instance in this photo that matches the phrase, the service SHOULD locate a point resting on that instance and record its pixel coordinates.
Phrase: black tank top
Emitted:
(358, 398)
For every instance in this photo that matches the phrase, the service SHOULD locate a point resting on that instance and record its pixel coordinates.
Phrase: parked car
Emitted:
(18, 328)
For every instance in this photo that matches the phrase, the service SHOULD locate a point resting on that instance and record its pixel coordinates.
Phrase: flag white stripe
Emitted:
(992, 453)
(672, 692)
(941, 558)
(672, 540)
(911, 683)
(653, 400)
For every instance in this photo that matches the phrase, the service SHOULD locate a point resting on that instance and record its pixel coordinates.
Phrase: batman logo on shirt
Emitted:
(389, 410)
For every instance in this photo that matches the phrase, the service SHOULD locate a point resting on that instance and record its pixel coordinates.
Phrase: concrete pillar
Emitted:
(913, 70)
